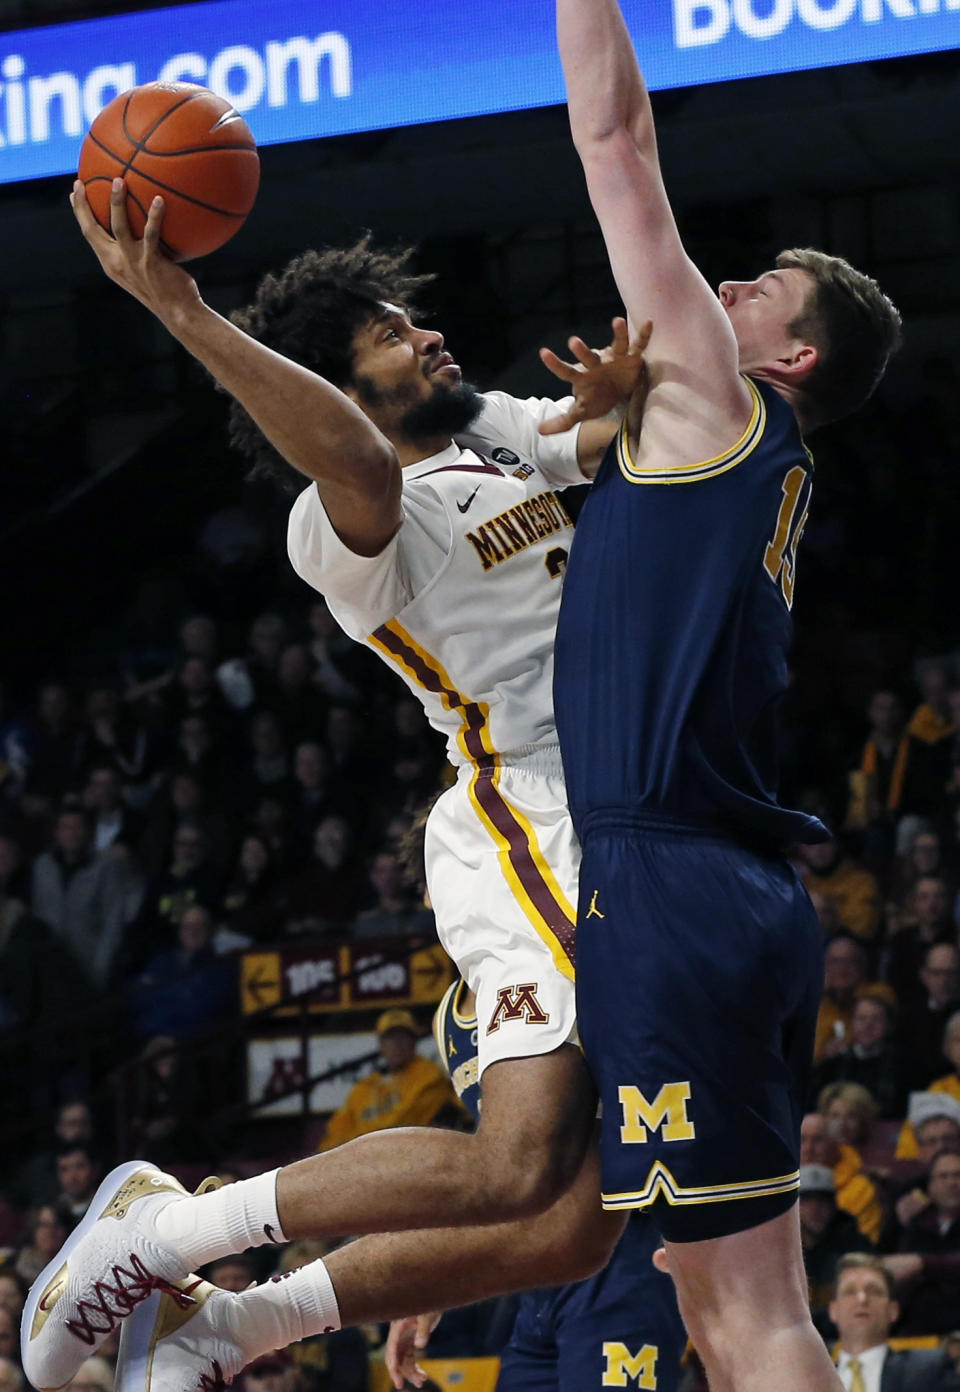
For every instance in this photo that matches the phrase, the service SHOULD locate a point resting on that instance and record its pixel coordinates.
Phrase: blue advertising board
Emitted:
(303, 69)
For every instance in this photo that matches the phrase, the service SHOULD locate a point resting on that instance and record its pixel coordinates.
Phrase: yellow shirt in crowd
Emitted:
(412, 1097)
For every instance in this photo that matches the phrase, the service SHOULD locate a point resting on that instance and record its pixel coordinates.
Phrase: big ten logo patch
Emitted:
(620, 1366)
(666, 1114)
(517, 1003)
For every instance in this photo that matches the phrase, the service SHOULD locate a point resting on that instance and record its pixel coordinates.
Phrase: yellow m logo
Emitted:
(668, 1111)
(622, 1365)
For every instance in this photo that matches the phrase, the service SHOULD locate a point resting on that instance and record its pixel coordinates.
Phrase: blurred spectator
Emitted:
(94, 1375)
(46, 1234)
(183, 799)
(844, 978)
(951, 1347)
(11, 1377)
(848, 1109)
(84, 897)
(249, 886)
(266, 767)
(852, 890)
(870, 1057)
(38, 974)
(949, 1084)
(190, 878)
(78, 1174)
(9, 1343)
(188, 987)
(926, 1266)
(194, 691)
(933, 1124)
(354, 757)
(826, 1233)
(855, 1192)
(410, 1091)
(54, 745)
(197, 754)
(112, 821)
(924, 856)
(233, 1273)
(323, 897)
(343, 670)
(13, 1291)
(167, 1105)
(929, 922)
(314, 795)
(876, 785)
(923, 1020)
(298, 705)
(864, 1311)
(396, 911)
(110, 736)
(252, 680)
(932, 720)
(37, 1181)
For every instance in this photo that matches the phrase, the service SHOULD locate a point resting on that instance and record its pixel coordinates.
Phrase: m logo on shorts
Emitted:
(620, 1365)
(517, 1003)
(668, 1111)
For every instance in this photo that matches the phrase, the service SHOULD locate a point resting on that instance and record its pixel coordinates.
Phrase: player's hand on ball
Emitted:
(405, 1342)
(136, 264)
(600, 380)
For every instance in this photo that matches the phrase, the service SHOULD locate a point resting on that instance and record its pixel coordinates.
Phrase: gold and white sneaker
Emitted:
(109, 1264)
(182, 1339)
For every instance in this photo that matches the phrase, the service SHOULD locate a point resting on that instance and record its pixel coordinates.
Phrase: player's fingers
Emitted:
(556, 425)
(583, 352)
(151, 231)
(621, 336)
(119, 223)
(565, 371)
(84, 213)
(639, 344)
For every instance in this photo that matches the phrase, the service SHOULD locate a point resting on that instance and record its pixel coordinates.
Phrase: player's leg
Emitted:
(197, 1335)
(744, 1301)
(700, 1079)
(536, 1124)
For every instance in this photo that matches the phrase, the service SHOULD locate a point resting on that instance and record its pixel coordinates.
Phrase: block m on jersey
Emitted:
(517, 1003)
(620, 1365)
(666, 1114)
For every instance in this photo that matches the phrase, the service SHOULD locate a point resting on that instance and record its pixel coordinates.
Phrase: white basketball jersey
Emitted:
(463, 601)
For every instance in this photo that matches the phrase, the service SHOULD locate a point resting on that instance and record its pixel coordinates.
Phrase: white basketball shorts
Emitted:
(502, 863)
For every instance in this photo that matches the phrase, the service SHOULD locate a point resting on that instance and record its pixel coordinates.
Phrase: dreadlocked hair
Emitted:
(309, 313)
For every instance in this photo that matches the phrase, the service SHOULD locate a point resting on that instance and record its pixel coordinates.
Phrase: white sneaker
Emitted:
(109, 1264)
(183, 1339)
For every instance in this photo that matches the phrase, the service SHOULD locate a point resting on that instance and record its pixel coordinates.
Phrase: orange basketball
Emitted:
(185, 143)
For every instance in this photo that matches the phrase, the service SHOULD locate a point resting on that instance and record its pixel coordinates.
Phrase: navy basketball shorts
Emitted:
(699, 975)
(620, 1328)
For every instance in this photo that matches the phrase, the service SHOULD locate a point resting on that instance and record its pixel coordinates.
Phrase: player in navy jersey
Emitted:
(698, 953)
(618, 1326)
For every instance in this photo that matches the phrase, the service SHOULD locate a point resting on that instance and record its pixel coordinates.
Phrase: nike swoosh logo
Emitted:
(463, 506)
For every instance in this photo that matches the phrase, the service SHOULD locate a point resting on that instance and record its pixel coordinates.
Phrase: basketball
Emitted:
(184, 143)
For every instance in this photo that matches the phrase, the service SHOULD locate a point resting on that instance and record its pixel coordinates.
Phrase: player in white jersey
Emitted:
(463, 604)
(369, 395)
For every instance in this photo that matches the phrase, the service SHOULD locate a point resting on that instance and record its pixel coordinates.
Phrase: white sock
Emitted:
(205, 1227)
(287, 1308)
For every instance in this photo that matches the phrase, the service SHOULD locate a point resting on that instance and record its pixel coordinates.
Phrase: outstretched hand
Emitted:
(138, 265)
(600, 381)
(405, 1343)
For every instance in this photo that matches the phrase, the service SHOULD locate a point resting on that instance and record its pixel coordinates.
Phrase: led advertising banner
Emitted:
(302, 69)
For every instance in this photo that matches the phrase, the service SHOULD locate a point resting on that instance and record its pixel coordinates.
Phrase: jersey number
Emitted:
(556, 561)
(780, 557)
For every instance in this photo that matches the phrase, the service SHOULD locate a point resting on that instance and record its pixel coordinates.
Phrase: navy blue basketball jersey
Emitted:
(674, 628)
(455, 1035)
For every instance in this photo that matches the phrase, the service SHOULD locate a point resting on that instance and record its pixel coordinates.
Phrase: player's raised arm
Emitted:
(612, 125)
(310, 422)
